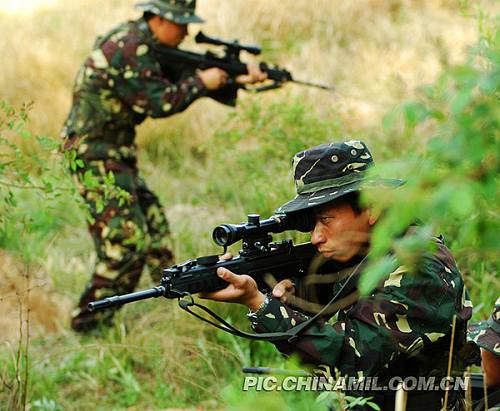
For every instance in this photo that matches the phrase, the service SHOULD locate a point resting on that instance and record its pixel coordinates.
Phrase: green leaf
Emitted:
(11, 199)
(455, 197)
(373, 405)
(460, 101)
(390, 119)
(375, 273)
(89, 180)
(49, 187)
(415, 113)
(99, 205)
(25, 134)
(47, 143)
(111, 177)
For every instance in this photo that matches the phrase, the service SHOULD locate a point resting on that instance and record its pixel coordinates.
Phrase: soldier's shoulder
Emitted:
(440, 257)
(132, 31)
(123, 45)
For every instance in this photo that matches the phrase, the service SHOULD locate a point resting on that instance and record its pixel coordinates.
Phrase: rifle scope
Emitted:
(249, 48)
(227, 234)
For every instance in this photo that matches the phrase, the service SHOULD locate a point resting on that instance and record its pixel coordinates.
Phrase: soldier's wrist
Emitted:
(199, 84)
(259, 303)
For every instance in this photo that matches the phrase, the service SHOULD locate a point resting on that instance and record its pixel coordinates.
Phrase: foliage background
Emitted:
(407, 85)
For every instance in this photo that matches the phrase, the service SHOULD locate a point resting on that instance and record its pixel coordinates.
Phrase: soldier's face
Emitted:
(339, 233)
(167, 32)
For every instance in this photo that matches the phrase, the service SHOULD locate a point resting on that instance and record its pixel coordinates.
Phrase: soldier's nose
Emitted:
(316, 236)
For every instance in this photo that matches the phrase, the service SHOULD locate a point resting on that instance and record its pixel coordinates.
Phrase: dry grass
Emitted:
(375, 51)
(48, 311)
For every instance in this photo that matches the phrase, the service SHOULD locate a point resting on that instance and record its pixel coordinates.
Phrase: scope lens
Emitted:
(221, 235)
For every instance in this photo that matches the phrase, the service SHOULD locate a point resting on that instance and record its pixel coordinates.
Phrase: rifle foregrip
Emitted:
(204, 279)
(276, 73)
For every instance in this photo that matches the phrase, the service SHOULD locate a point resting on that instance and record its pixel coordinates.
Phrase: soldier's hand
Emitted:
(254, 75)
(213, 78)
(284, 290)
(242, 289)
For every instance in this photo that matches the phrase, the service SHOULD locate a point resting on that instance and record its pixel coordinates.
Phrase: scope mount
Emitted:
(259, 243)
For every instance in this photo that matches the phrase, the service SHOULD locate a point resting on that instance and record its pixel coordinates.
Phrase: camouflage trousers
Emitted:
(127, 237)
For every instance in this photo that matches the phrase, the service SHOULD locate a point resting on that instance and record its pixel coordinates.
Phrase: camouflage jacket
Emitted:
(402, 328)
(119, 85)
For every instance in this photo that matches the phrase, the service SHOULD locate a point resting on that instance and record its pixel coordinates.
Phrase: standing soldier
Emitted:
(120, 84)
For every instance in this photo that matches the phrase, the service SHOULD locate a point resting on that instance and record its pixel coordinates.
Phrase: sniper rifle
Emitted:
(259, 257)
(174, 60)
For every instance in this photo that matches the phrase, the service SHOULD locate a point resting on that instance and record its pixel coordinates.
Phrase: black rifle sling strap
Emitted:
(347, 295)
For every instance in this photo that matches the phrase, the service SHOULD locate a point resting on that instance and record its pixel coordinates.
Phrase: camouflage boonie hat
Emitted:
(486, 334)
(329, 171)
(178, 11)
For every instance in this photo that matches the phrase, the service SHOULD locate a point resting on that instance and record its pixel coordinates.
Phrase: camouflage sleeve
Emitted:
(136, 77)
(408, 312)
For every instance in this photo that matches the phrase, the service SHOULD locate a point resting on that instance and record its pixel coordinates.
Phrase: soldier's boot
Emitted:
(84, 320)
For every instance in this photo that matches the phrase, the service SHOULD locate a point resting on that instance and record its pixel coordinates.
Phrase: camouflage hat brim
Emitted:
(177, 17)
(323, 196)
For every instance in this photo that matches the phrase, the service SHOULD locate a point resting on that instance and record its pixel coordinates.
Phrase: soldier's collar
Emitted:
(144, 27)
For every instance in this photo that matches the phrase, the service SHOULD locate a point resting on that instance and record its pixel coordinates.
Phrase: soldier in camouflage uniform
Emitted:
(120, 84)
(403, 328)
(486, 334)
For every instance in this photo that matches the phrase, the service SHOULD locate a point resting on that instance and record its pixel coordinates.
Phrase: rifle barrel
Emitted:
(308, 83)
(127, 298)
(275, 371)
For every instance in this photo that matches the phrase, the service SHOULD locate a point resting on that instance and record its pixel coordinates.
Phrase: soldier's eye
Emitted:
(325, 219)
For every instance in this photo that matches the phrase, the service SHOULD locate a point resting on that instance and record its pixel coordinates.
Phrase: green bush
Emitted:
(452, 180)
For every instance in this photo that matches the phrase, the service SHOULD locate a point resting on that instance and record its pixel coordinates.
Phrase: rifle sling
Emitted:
(338, 302)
